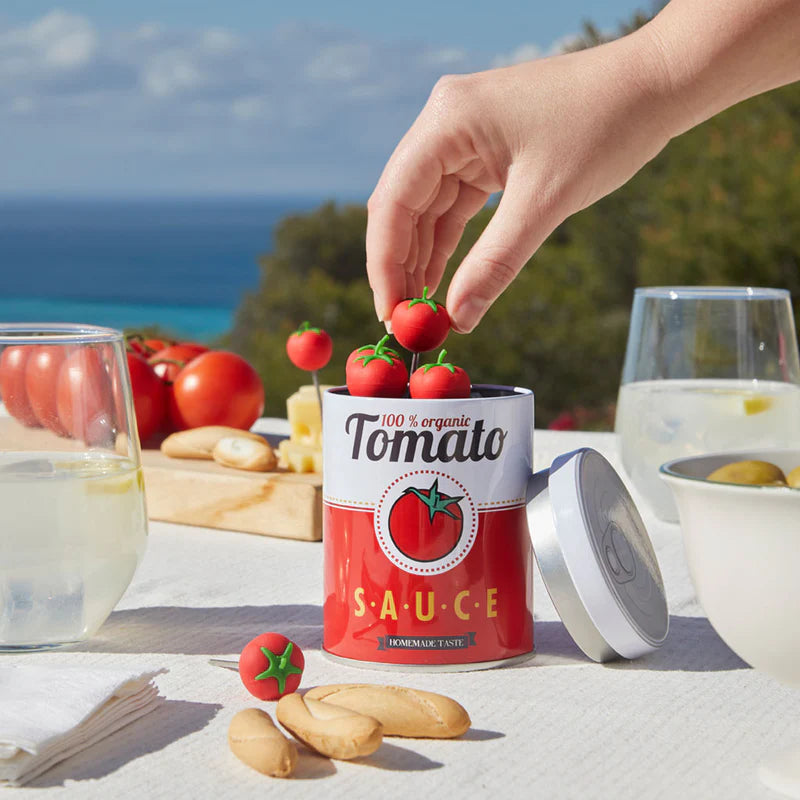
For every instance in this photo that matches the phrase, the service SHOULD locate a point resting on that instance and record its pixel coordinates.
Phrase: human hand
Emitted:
(554, 134)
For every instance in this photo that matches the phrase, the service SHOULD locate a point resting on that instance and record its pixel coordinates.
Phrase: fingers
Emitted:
(409, 184)
(518, 227)
(426, 226)
(448, 230)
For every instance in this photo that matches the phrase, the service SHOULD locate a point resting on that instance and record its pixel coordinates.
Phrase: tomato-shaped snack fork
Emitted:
(270, 666)
(420, 324)
(439, 380)
(309, 348)
(375, 370)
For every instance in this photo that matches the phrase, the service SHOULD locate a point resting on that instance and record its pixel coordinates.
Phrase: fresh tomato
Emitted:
(41, 380)
(376, 371)
(149, 396)
(216, 388)
(12, 384)
(271, 666)
(426, 524)
(169, 361)
(154, 345)
(85, 397)
(420, 324)
(439, 380)
(309, 348)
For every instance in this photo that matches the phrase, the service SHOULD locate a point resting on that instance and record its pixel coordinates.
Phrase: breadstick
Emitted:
(200, 442)
(331, 730)
(241, 453)
(254, 740)
(402, 711)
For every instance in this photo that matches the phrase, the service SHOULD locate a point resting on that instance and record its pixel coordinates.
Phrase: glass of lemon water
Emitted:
(73, 524)
(707, 369)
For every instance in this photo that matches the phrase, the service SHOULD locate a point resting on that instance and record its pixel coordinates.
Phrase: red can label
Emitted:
(428, 558)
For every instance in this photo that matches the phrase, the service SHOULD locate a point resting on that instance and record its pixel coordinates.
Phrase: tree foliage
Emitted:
(719, 206)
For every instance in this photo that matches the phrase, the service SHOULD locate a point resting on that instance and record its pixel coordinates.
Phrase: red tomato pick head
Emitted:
(420, 324)
(309, 348)
(376, 371)
(439, 380)
(271, 666)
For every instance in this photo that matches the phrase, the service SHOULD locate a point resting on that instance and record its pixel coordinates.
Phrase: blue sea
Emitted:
(180, 264)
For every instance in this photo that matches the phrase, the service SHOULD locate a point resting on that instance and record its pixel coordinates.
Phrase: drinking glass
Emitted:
(707, 369)
(72, 515)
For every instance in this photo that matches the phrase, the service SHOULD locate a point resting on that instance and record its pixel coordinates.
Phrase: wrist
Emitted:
(662, 80)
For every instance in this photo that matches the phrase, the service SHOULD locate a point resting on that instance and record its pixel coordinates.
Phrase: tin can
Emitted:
(428, 559)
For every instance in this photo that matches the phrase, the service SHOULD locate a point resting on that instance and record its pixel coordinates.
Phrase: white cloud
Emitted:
(249, 108)
(22, 105)
(339, 62)
(530, 52)
(152, 108)
(525, 52)
(171, 73)
(64, 40)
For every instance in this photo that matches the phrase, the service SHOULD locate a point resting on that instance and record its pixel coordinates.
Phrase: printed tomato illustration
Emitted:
(271, 666)
(309, 348)
(376, 371)
(420, 324)
(439, 380)
(426, 524)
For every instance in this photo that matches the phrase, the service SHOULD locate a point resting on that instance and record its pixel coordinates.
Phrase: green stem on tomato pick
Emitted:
(424, 299)
(440, 362)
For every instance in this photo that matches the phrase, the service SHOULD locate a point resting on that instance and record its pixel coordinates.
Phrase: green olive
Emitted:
(793, 478)
(753, 473)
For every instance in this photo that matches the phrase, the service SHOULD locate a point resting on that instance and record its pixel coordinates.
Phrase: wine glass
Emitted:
(743, 551)
(73, 524)
(707, 369)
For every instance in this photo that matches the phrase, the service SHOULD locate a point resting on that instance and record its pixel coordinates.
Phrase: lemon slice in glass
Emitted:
(757, 404)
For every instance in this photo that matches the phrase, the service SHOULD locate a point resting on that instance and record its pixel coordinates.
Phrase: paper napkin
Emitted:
(48, 713)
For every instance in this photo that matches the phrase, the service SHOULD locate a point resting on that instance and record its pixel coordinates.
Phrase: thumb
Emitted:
(512, 236)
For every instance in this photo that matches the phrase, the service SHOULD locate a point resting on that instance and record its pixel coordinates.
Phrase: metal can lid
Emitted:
(596, 558)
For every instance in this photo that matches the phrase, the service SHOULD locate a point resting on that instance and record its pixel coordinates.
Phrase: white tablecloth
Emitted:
(690, 721)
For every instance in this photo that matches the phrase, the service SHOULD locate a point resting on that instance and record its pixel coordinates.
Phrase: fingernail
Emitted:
(468, 314)
(378, 300)
(388, 324)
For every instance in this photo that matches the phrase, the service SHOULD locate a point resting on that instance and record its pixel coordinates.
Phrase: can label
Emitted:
(428, 558)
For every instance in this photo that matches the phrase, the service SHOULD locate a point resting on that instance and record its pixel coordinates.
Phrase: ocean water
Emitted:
(179, 264)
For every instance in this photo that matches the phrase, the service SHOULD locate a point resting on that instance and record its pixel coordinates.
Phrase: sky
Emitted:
(242, 97)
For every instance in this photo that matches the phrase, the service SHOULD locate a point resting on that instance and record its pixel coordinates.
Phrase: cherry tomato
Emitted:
(420, 324)
(41, 380)
(85, 397)
(271, 666)
(12, 384)
(376, 371)
(439, 380)
(149, 396)
(309, 348)
(425, 523)
(169, 361)
(154, 345)
(216, 388)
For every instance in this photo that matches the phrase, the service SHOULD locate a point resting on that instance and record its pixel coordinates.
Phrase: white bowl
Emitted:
(742, 544)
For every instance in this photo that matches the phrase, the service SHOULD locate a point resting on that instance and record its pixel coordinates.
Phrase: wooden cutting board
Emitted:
(196, 492)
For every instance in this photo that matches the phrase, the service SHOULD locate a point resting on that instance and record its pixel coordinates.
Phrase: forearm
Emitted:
(716, 53)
